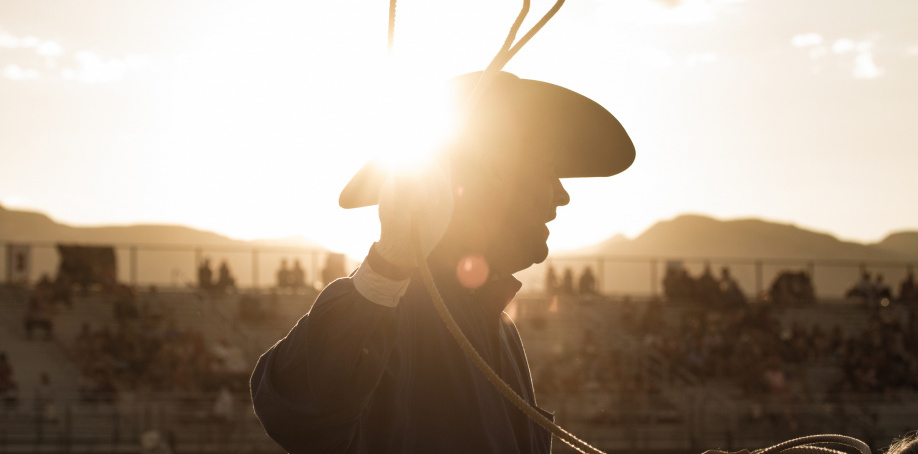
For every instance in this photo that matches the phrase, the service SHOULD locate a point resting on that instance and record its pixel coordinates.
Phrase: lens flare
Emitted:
(472, 271)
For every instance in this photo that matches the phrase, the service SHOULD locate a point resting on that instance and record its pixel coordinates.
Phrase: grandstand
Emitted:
(613, 375)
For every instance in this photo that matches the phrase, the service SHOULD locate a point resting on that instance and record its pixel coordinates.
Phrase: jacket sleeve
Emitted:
(311, 388)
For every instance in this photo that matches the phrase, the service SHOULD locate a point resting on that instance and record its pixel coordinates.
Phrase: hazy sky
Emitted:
(247, 118)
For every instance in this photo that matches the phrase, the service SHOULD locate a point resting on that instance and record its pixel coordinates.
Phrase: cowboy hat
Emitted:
(578, 136)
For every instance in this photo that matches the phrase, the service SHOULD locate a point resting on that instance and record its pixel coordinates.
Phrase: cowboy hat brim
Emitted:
(578, 136)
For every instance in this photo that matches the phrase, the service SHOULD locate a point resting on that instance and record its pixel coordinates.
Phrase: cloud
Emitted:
(843, 45)
(864, 67)
(49, 49)
(806, 40)
(84, 66)
(14, 72)
(8, 41)
(94, 69)
(912, 51)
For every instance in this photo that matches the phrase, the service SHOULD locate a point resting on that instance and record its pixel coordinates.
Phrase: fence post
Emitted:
(653, 277)
(758, 278)
(133, 255)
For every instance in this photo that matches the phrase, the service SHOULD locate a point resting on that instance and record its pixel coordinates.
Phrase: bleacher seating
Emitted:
(590, 362)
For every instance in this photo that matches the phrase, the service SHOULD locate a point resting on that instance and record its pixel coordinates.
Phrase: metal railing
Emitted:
(256, 267)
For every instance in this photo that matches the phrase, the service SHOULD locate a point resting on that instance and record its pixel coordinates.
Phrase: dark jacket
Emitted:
(356, 377)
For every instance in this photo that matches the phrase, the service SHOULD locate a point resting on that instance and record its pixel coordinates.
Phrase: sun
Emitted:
(417, 115)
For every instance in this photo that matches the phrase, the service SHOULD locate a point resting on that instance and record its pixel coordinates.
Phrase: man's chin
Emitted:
(523, 258)
(541, 255)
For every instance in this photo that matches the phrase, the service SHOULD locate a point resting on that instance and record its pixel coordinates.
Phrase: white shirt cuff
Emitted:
(378, 288)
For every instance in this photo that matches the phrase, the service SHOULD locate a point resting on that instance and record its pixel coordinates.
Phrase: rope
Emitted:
(490, 375)
(391, 25)
(507, 52)
(803, 445)
(808, 445)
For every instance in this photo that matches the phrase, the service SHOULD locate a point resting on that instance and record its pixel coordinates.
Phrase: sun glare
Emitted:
(417, 117)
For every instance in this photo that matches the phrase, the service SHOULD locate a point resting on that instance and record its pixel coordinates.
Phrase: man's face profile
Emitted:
(503, 209)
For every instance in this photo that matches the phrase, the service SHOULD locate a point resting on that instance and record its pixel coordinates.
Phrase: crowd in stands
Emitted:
(679, 285)
(750, 347)
(145, 358)
(43, 300)
(224, 282)
(875, 293)
(586, 284)
(292, 278)
(792, 287)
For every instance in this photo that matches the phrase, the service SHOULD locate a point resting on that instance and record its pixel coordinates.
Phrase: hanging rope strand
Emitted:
(511, 35)
(391, 25)
(535, 29)
(501, 59)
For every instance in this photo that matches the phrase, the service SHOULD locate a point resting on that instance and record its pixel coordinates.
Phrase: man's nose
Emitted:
(560, 194)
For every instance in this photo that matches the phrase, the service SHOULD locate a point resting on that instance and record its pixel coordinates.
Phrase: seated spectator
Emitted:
(587, 284)
(551, 281)
(730, 293)
(863, 288)
(882, 290)
(283, 275)
(907, 290)
(567, 283)
(225, 280)
(205, 276)
(38, 316)
(9, 391)
(677, 284)
(707, 289)
(297, 275)
(792, 288)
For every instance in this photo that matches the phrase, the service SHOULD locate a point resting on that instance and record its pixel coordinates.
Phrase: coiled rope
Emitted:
(813, 444)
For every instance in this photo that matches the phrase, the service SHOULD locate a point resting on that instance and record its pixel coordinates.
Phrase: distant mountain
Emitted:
(166, 254)
(31, 227)
(695, 236)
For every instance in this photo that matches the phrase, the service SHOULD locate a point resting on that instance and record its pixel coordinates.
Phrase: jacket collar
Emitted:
(492, 297)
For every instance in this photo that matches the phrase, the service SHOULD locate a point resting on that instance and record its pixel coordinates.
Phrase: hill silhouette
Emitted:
(167, 253)
(684, 237)
(33, 227)
(696, 236)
